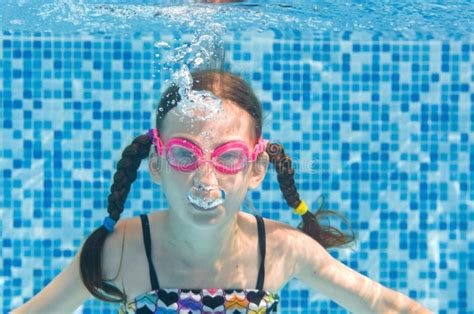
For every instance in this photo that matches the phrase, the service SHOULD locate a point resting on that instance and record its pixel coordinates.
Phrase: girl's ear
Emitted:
(259, 169)
(154, 165)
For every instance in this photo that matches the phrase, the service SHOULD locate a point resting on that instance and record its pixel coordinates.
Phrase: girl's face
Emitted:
(232, 123)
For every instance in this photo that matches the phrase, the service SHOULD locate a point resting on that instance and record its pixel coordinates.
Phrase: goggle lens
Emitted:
(182, 158)
(185, 159)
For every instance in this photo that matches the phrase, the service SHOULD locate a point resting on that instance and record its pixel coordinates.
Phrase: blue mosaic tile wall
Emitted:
(382, 129)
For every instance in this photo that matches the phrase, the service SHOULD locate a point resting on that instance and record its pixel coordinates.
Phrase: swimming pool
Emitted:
(372, 100)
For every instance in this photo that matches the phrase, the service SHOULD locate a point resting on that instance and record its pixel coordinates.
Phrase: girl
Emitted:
(203, 254)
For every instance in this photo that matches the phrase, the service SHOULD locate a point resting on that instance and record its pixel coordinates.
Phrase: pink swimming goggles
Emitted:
(186, 156)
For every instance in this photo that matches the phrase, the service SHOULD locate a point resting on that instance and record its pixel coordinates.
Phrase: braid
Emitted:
(90, 259)
(327, 236)
(126, 174)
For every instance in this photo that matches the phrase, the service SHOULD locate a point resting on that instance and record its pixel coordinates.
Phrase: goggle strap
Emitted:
(155, 139)
(259, 148)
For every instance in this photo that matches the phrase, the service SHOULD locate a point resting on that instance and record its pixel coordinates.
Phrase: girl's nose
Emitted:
(206, 173)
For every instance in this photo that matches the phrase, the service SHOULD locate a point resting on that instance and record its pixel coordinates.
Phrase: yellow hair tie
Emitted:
(301, 209)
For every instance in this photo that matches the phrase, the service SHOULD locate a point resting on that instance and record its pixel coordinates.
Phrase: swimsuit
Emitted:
(207, 300)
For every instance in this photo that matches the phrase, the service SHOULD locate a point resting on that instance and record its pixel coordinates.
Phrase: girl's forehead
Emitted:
(232, 123)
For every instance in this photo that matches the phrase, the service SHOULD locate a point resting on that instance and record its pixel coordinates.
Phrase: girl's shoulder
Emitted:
(124, 248)
(119, 245)
(284, 244)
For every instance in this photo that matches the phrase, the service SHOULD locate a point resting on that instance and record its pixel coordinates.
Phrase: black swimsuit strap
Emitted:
(147, 240)
(261, 245)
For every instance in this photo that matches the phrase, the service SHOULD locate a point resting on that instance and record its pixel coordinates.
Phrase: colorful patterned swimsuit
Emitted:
(193, 301)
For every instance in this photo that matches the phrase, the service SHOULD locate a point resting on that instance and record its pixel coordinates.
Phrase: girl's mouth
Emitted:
(207, 198)
(202, 209)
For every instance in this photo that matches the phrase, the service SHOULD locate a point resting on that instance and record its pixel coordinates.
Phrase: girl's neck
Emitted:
(200, 246)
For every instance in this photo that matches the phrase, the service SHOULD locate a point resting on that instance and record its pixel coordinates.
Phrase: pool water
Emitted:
(372, 100)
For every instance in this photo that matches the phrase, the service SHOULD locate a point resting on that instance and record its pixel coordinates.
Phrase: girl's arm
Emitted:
(66, 292)
(318, 269)
(63, 294)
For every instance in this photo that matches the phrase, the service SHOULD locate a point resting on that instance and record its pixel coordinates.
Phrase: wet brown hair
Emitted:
(226, 86)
